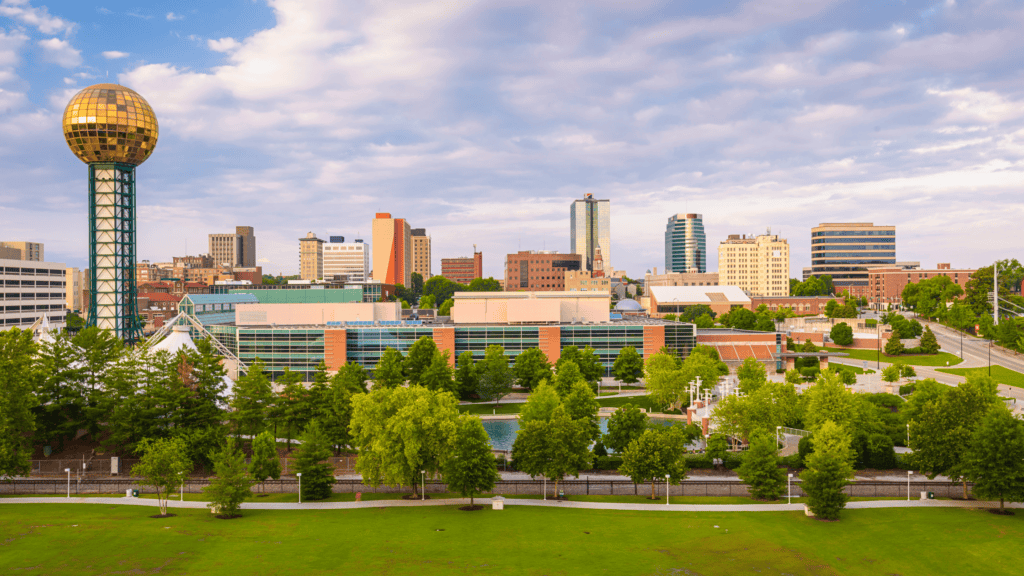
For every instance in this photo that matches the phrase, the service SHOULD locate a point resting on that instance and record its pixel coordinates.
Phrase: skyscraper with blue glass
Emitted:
(847, 251)
(685, 244)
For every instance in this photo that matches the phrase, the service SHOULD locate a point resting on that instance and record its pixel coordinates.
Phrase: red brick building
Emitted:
(539, 271)
(463, 270)
(885, 285)
(801, 305)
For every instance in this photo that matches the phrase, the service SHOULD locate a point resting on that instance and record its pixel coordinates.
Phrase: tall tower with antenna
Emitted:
(112, 129)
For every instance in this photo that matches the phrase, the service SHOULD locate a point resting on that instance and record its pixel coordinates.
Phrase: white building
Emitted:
(28, 290)
(351, 259)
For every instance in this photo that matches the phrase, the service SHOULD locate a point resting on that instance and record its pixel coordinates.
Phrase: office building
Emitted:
(392, 250)
(590, 223)
(463, 269)
(846, 251)
(885, 285)
(238, 249)
(758, 265)
(421, 253)
(29, 290)
(539, 271)
(584, 281)
(676, 299)
(74, 286)
(29, 251)
(686, 244)
(349, 260)
(311, 257)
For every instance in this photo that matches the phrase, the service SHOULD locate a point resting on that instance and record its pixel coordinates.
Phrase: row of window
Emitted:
(31, 295)
(28, 308)
(854, 233)
(33, 271)
(33, 283)
(27, 321)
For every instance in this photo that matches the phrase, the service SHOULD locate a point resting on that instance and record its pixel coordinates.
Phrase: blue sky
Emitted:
(482, 121)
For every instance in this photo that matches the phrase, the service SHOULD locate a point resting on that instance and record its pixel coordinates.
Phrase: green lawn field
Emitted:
(939, 359)
(91, 539)
(1000, 374)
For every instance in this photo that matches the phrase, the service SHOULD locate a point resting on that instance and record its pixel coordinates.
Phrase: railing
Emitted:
(796, 432)
(102, 467)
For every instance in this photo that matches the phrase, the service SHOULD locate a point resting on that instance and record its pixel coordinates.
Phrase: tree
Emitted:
(466, 380)
(311, 462)
(252, 401)
(438, 376)
(351, 377)
(760, 412)
(568, 373)
(907, 371)
(446, 307)
(231, 483)
(760, 469)
(894, 346)
(624, 425)
(739, 318)
(60, 410)
(555, 448)
(582, 406)
(667, 383)
(656, 453)
(629, 366)
(484, 285)
(891, 373)
(929, 344)
(470, 468)
(691, 313)
(829, 401)
(427, 302)
(531, 368)
(752, 375)
(585, 360)
(18, 380)
(704, 321)
(829, 470)
(420, 355)
(400, 432)
(293, 404)
(441, 288)
(265, 461)
(416, 284)
(995, 458)
(540, 405)
(495, 375)
(163, 466)
(842, 334)
(717, 446)
(389, 371)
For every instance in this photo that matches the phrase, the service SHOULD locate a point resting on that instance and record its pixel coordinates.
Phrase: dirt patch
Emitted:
(164, 516)
(228, 516)
(472, 508)
(1003, 512)
(415, 497)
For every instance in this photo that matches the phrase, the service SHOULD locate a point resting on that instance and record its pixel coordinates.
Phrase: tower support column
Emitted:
(113, 295)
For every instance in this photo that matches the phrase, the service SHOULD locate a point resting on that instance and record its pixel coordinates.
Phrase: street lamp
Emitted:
(68, 470)
(299, 476)
(908, 434)
(990, 357)
(789, 487)
(182, 476)
(909, 472)
(423, 484)
(666, 489)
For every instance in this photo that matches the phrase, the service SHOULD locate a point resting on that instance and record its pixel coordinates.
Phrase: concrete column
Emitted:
(790, 363)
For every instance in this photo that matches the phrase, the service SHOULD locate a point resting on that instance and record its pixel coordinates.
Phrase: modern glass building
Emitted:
(685, 244)
(847, 251)
(590, 225)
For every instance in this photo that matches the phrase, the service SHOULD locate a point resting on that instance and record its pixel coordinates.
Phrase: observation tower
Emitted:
(112, 129)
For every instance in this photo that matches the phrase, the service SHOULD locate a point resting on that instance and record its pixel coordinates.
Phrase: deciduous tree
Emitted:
(164, 466)
(752, 375)
(629, 366)
(265, 462)
(624, 425)
(530, 368)
(495, 375)
(995, 458)
(656, 453)
(470, 468)
(760, 469)
(389, 371)
(420, 355)
(231, 484)
(466, 379)
(842, 334)
(18, 380)
(828, 471)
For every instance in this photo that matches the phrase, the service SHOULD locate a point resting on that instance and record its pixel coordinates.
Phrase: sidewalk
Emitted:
(514, 502)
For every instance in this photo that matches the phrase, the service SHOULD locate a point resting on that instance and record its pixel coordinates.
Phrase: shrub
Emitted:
(804, 449)
(810, 372)
(907, 389)
(607, 462)
(694, 461)
(733, 460)
(894, 347)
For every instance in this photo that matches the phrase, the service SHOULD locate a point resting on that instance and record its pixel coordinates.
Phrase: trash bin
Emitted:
(497, 503)
(359, 496)
(924, 495)
(135, 493)
(128, 493)
(931, 495)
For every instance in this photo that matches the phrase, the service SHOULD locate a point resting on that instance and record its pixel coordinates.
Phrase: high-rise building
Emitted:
(238, 249)
(29, 251)
(349, 259)
(311, 257)
(757, 264)
(421, 252)
(685, 244)
(392, 250)
(463, 269)
(30, 289)
(846, 251)
(539, 271)
(74, 282)
(590, 223)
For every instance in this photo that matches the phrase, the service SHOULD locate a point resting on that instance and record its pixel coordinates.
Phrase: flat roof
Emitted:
(698, 294)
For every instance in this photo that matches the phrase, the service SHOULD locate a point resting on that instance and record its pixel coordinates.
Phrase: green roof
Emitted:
(311, 296)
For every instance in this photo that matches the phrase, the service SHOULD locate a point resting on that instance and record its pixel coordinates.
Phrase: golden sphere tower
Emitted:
(112, 129)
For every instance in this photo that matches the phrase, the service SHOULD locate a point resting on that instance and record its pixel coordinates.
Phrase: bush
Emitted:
(842, 334)
(694, 461)
(810, 372)
(804, 449)
(908, 389)
(607, 462)
(894, 347)
(792, 461)
(733, 460)
(870, 323)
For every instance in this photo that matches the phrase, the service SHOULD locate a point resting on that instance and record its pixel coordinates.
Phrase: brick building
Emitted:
(463, 269)
(801, 305)
(539, 271)
(885, 285)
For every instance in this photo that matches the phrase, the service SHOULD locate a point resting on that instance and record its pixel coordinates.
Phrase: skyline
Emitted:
(751, 115)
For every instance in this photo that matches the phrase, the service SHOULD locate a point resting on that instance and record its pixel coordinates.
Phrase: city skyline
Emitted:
(754, 116)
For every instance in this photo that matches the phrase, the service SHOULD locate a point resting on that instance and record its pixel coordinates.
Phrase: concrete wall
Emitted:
(520, 307)
(315, 314)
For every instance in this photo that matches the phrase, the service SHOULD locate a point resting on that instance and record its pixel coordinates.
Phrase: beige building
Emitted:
(238, 249)
(31, 251)
(675, 299)
(530, 307)
(316, 314)
(75, 285)
(392, 250)
(757, 264)
(421, 253)
(311, 257)
(652, 279)
(584, 281)
(348, 259)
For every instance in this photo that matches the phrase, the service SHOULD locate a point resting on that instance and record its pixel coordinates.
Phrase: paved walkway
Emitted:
(518, 502)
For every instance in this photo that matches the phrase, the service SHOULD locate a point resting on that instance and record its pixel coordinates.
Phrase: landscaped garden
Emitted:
(999, 374)
(939, 359)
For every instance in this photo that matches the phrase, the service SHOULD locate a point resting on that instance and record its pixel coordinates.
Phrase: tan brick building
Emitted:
(758, 265)
(421, 253)
(584, 281)
(311, 257)
(539, 271)
(464, 269)
(885, 285)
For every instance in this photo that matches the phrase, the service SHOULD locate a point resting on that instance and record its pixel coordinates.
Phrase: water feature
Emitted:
(502, 433)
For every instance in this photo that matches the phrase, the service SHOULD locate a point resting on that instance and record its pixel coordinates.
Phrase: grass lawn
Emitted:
(939, 359)
(100, 539)
(1000, 374)
(854, 369)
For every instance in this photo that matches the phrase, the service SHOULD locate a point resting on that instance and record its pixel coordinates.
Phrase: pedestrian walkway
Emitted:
(519, 502)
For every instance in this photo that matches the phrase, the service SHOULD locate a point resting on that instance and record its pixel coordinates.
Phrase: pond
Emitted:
(503, 432)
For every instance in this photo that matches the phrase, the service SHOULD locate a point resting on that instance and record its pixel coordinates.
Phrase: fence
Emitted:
(102, 467)
(866, 489)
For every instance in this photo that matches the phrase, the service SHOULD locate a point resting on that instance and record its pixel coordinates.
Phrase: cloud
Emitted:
(39, 18)
(60, 52)
(114, 54)
(223, 45)
(137, 14)
(172, 16)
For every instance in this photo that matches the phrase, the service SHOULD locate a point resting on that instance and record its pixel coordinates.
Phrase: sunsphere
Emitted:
(110, 123)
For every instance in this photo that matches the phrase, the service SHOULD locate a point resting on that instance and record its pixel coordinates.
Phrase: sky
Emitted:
(483, 121)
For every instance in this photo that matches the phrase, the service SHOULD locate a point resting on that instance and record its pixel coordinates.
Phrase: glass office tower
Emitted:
(685, 244)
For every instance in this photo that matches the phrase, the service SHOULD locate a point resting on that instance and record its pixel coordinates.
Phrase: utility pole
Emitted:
(995, 293)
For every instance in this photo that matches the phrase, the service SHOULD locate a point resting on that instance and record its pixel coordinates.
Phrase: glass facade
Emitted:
(364, 346)
(606, 340)
(685, 244)
(846, 251)
(590, 223)
(514, 339)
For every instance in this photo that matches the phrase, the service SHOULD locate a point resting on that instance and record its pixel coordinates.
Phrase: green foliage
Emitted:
(401, 431)
(804, 449)
(759, 412)
(311, 462)
(416, 285)
(760, 469)
(587, 362)
(877, 452)
(995, 458)
(351, 377)
(484, 285)
(828, 472)
(582, 407)
(231, 483)
(692, 313)
(466, 380)
(704, 321)
(891, 373)
(813, 286)
(420, 355)
(568, 374)
(717, 446)
(531, 367)
(427, 302)
(470, 468)
(907, 371)
(842, 334)
(163, 466)
(829, 401)
(624, 425)
(670, 317)
(666, 382)
(495, 375)
(18, 380)
(656, 453)
(555, 448)
(446, 307)
(252, 401)
(739, 318)
(389, 372)
(894, 346)
(292, 403)
(929, 345)
(752, 375)
(265, 462)
(540, 405)
(441, 288)
(930, 297)
(61, 398)
(439, 374)
(629, 366)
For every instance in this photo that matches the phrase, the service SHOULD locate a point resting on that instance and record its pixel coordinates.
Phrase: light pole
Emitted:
(68, 470)
(666, 489)
(299, 476)
(181, 475)
(909, 472)
(423, 484)
(990, 357)
(908, 434)
(789, 488)
(545, 488)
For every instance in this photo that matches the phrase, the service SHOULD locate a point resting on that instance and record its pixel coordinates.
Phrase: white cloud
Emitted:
(172, 16)
(60, 52)
(114, 54)
(39, 18)
(224, 44)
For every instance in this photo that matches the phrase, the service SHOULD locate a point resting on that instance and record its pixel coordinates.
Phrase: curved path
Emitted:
(516, 502)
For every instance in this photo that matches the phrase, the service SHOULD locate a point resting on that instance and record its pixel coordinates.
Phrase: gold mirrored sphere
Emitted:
(110, 123)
